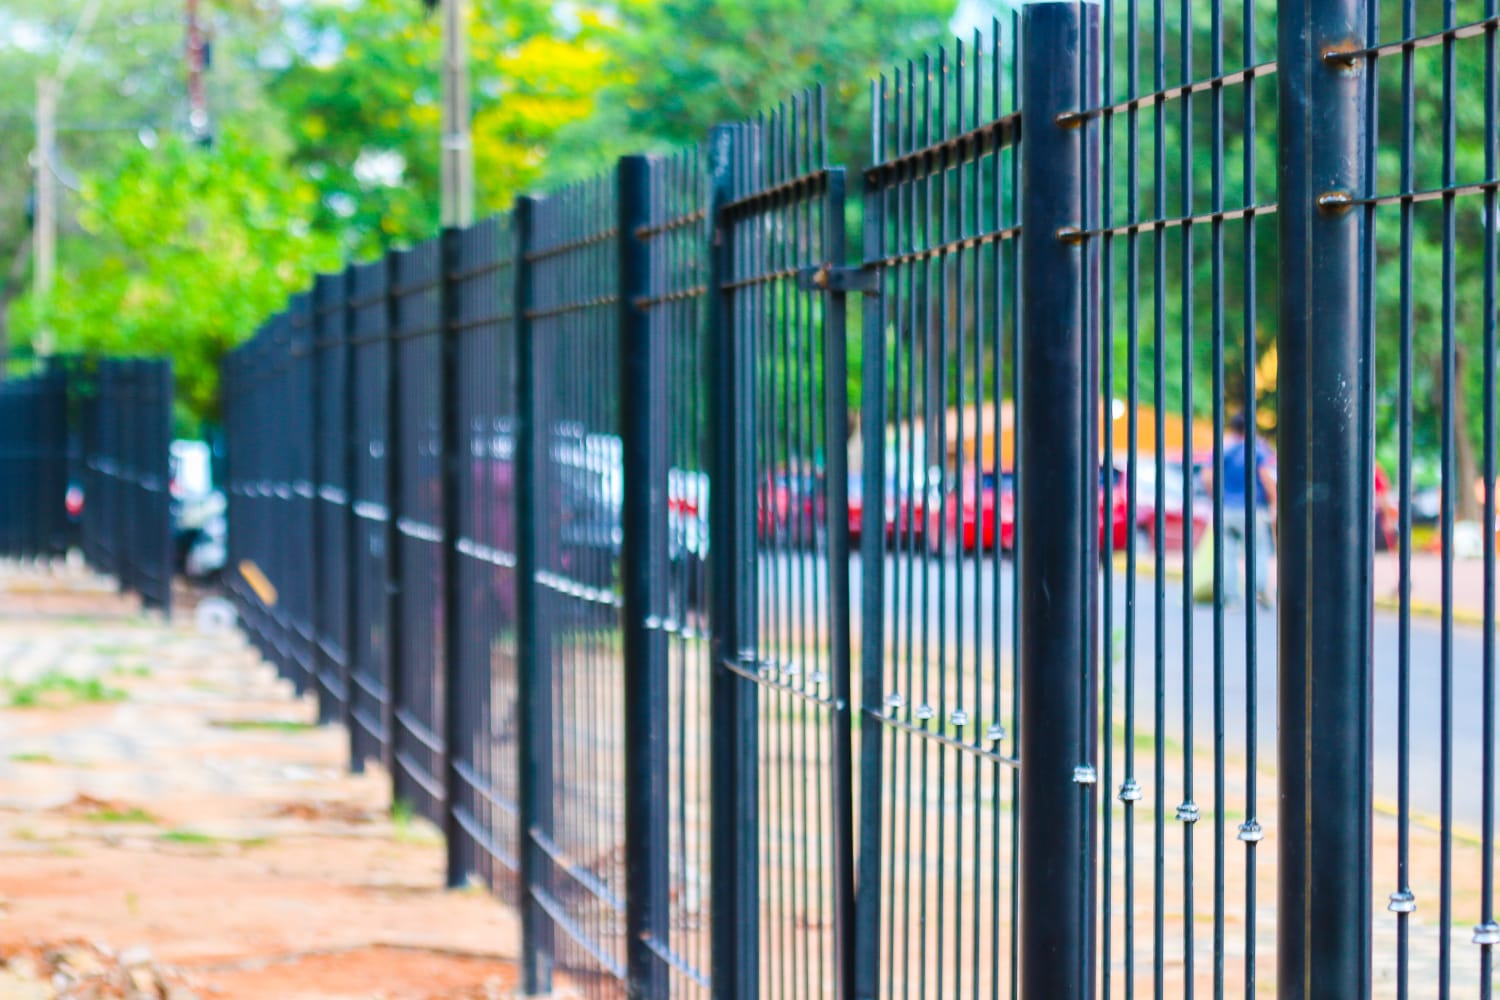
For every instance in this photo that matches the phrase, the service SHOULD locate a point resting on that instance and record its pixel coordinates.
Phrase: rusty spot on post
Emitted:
(1344, 56)
(1335, 201)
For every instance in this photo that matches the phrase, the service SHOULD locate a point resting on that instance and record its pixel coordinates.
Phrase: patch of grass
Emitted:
(265, 726)
(111, 814)
(406, 828)
(33, 758)
(138, 670)
(57, 690)
(132, 904)
(196, 838)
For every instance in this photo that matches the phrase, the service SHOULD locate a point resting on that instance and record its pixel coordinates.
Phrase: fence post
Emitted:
(1324, 748)
(1057, 565)
(735, 947)
(352, 536)
(643, 566)
(533, 652)
(393, 580)
(450, 262)
(872, 625)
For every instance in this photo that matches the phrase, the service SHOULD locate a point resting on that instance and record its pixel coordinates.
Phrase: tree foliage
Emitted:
(184, 250)
(362, 97)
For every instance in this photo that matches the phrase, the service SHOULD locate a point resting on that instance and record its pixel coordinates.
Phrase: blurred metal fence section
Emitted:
(33, 464)
(332, 520)
(572, 315)
(939, 781)
(417, 620)
(128, 512)
(479, 313)
(371, 645)
(664, 275)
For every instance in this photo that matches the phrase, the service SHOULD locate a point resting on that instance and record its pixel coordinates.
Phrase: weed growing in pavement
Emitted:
(111, 814)
(265, 725)
(54, 689)
(33, 758)
(196, 838)
(405, 826)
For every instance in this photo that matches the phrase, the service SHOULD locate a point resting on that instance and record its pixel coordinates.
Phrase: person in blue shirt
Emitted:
(1241, 472)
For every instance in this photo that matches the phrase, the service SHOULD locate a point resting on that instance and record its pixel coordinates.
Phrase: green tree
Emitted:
(183, 252)
(361, 91)
(126, 88)
(685, 65)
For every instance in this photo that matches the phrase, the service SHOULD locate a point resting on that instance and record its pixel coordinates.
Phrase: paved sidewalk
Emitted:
(167, 804)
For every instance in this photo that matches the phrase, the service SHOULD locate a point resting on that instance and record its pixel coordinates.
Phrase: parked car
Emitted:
(907, 503)
(856, 500)
(1176, 482)
(687, 540)
(986, 505)
(790, 508)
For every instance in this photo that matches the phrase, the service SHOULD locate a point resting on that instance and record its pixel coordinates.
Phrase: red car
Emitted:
(978, 508)
(1173, 510)
(789, 508)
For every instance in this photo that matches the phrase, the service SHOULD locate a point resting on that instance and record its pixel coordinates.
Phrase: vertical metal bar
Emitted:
(836, 461)
(734, 756)
(1323, 925)
(644, 578)
(872, 591)
(533, 654)
(353, 535)
(1055, 573)
(455, 622)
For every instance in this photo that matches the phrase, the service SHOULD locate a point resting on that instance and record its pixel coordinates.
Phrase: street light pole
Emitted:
(458, 151)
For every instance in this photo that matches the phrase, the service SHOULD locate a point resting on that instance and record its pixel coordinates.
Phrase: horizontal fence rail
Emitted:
(978, 641)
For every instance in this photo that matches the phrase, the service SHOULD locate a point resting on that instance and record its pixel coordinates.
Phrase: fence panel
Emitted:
(130, 516)
(789, 666)
(939, 636)
(674, 837)
(297, 430)
(416, 334)
(486, 796)
(332, 525)
(33, 464)
(1422, 225)
(574, 396)
(370, 650)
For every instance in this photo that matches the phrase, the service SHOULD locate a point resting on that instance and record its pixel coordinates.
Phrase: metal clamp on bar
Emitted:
(831, 278)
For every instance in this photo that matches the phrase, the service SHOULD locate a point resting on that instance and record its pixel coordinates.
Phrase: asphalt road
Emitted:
(1232, 679)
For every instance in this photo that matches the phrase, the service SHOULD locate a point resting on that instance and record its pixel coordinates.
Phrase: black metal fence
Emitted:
(125, 420)
(587, 519)
(85, 459)
(34, 464)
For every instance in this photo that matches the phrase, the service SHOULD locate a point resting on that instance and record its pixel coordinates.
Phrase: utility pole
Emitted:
(45, 236)
(197, 62)
(458, 151)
